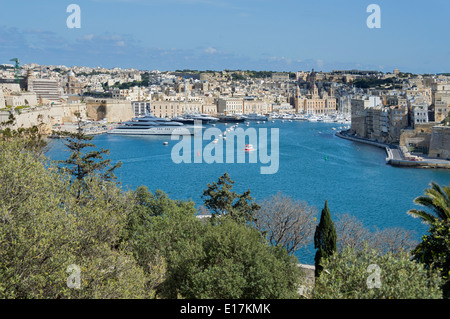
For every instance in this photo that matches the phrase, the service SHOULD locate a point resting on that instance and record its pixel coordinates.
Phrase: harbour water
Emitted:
(314, 166)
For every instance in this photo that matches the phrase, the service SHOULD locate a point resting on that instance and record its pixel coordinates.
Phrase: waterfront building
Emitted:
(397, 121)
(230, 105)
(315, 102)
(440, 142)
(174, 108)
(112, 110)
(140, 107)
(372, 120)
(252, 105)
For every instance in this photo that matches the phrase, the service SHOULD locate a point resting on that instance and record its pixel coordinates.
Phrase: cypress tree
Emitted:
(325, 239)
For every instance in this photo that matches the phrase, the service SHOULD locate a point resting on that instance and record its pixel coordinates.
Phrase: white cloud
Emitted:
(210, 50)
(87, 37)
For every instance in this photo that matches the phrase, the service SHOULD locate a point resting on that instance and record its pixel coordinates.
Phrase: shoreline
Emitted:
(395, 156)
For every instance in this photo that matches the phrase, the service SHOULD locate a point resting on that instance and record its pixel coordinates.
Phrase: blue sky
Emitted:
(278, 35)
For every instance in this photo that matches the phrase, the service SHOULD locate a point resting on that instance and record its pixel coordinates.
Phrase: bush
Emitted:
(225, 259)
(366, 274)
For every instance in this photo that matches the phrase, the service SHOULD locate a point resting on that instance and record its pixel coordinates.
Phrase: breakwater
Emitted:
(395, 156)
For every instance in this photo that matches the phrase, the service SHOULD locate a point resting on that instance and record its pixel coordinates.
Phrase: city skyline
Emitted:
(228, 34)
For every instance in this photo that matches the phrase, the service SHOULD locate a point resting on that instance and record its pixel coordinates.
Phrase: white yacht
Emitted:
(286, 116)
(299, 117)
(189, 118)
(313, 118)
(256, 117)
(274, 115)
(205, 118)
(152, 125)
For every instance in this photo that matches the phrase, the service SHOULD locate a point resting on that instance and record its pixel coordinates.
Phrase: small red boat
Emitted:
(249, 147)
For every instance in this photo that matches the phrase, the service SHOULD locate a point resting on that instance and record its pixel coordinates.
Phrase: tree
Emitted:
(236, 263)
(162, 233)
(352, 233)
(31, 138)
(446, 120)
(81, 163)
(324, 239)
(367, 274)
(434, 249)
(436, 199)
(286, 222)
(206, 260)
(434, 252)
(45, 228)
(222, 200)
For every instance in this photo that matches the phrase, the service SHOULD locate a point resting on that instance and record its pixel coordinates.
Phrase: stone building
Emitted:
(420, 114)
(46, 89)
(73, 86)
(280, 76)
(441, 101)
(315, 102)
(230, 105)
(255, 106)
(372, 120)
(440, 142)
(109, 109)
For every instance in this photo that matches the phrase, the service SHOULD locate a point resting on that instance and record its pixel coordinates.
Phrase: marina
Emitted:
(354, 177)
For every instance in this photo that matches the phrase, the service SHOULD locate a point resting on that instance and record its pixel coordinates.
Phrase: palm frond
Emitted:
(426, 217)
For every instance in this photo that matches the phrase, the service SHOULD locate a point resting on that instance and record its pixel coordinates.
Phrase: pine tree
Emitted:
(222, 200)
(324, 239)
(82, 163)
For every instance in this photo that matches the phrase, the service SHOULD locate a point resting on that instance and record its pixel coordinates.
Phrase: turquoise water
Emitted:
(314, 166)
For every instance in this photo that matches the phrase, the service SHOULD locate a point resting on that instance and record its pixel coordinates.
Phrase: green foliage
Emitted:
(161, 233)
(206, 260)
(446, 120)
(437, 200)
(347, 275)
(125, 244)
(222, 200)
(81, 163)
(238, 77)
(31, 138)
(434, 251)
(325, 239)
(45, 228)
(128, 85)
(237, 263)
(372, 82)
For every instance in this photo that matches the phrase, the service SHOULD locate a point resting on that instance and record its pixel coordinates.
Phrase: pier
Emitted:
(396, 157)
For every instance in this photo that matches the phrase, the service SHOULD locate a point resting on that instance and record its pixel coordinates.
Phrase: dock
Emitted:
(395, 155)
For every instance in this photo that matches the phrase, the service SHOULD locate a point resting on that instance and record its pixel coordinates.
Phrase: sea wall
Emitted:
(395, 160)
(45, 115)
(418, 164)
